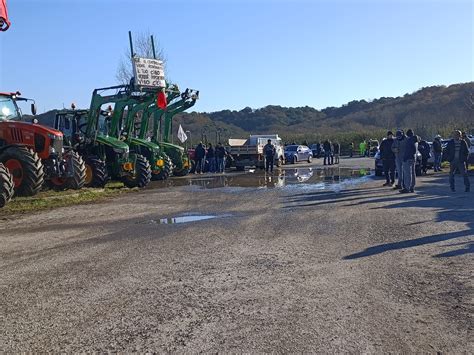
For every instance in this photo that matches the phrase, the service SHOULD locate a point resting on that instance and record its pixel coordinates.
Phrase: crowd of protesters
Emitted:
(399, 158)
(211, 159)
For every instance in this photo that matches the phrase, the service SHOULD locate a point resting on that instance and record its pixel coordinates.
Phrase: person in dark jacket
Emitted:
(200, 158)
(438, 153)
(211, 158)
(457, 153)
(221, 153)
(388, 159)
(327, 152)
(425, 151)
(269, 151)
(409, 161)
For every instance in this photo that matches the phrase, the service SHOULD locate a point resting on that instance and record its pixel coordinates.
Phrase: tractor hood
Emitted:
(144, 143)
(33, 127)
(113, 142)
(172, 146)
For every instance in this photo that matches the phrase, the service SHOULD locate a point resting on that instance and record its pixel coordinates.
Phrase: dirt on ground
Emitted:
(331, 266)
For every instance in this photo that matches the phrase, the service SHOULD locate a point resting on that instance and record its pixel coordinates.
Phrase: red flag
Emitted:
(4, 23)
(161, 100)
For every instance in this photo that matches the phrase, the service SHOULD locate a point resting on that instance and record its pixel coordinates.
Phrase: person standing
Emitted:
(468, 142)
(438, 153)
(327, 152)
(211, 158)
(398, 148)
(457, 153)
(220, 157)
(351, 149)
(269, 153)
(337, 152)
(425, 151)
(362, 148)
(200, 158)
(409, 161)
(388, 159)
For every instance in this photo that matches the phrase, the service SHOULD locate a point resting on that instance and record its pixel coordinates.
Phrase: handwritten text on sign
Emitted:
(148, 72)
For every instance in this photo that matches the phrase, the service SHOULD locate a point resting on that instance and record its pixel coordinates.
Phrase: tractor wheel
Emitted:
(166, 171)
(74, 182)
(26, 168)
(7, 188)
(142, 175)
(95, 172)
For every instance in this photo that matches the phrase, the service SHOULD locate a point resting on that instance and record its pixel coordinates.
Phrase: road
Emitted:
(348, 267)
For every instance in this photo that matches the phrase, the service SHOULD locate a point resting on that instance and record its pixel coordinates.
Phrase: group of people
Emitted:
(214, 157)
(332, 151)
(399, 155)
(364, 148)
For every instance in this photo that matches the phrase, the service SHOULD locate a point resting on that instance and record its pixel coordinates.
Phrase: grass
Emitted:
(52, 199)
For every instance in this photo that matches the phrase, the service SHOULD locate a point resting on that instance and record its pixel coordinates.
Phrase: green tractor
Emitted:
(124, 124)
(179, 157)
(88, 132)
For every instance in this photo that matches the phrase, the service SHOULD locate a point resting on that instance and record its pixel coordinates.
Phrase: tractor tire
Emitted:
(26, 168)
(95, 172)
(7, 188)
(142, 174)
(166, 171)
(75, 182)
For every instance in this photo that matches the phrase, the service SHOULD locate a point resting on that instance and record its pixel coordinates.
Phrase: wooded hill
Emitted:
(430, 110)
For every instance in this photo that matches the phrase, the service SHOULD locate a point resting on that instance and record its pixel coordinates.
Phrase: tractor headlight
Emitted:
(52, 150)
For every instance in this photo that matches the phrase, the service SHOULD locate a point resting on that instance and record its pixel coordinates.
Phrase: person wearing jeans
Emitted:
(409, 159)
(220, 155)
(457, 153)
(398, 148)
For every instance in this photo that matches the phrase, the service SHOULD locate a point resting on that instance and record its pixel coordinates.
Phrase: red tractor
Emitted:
(33, 153)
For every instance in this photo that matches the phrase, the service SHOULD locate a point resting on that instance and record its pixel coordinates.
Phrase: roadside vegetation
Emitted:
(53, 199)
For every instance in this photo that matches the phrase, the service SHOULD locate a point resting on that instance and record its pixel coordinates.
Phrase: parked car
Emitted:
(374, 147)
(296, 153)
(379, 164)
(317, 149)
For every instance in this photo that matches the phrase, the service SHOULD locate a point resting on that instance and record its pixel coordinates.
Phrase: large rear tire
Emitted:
(166, 171)
(7, 188)
(95, 172)
(26, 168)
(142, 175)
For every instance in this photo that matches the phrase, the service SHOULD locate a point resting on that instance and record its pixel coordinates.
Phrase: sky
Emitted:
(241, 53)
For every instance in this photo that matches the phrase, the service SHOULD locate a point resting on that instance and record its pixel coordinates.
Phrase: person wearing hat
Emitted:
(388, 159)
(398, 148)
(438, 152)
(457, 153)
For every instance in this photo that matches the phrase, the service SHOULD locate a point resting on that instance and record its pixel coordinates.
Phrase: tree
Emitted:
(142, 48)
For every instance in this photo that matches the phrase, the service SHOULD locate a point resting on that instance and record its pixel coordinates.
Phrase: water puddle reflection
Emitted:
(313, 178)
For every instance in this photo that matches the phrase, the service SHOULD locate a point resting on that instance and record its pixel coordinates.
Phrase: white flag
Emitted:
(181, 135)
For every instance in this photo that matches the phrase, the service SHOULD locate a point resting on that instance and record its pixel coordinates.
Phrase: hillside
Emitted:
(428, 111)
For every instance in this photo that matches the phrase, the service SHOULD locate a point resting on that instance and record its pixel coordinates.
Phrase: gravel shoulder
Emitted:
(359, 269)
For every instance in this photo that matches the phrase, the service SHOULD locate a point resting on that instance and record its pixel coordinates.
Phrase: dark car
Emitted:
(379, 164)
(317, 149)
(296, 153)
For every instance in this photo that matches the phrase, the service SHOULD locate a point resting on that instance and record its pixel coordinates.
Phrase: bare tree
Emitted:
(142, 48)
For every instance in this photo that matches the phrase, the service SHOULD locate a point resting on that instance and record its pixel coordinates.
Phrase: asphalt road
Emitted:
(325, 266)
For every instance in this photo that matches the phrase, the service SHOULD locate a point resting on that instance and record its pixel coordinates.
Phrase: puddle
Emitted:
(182, 219)
(333, 178)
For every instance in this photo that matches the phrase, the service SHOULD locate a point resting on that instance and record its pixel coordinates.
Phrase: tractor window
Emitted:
(104, 124)
(8, 109)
